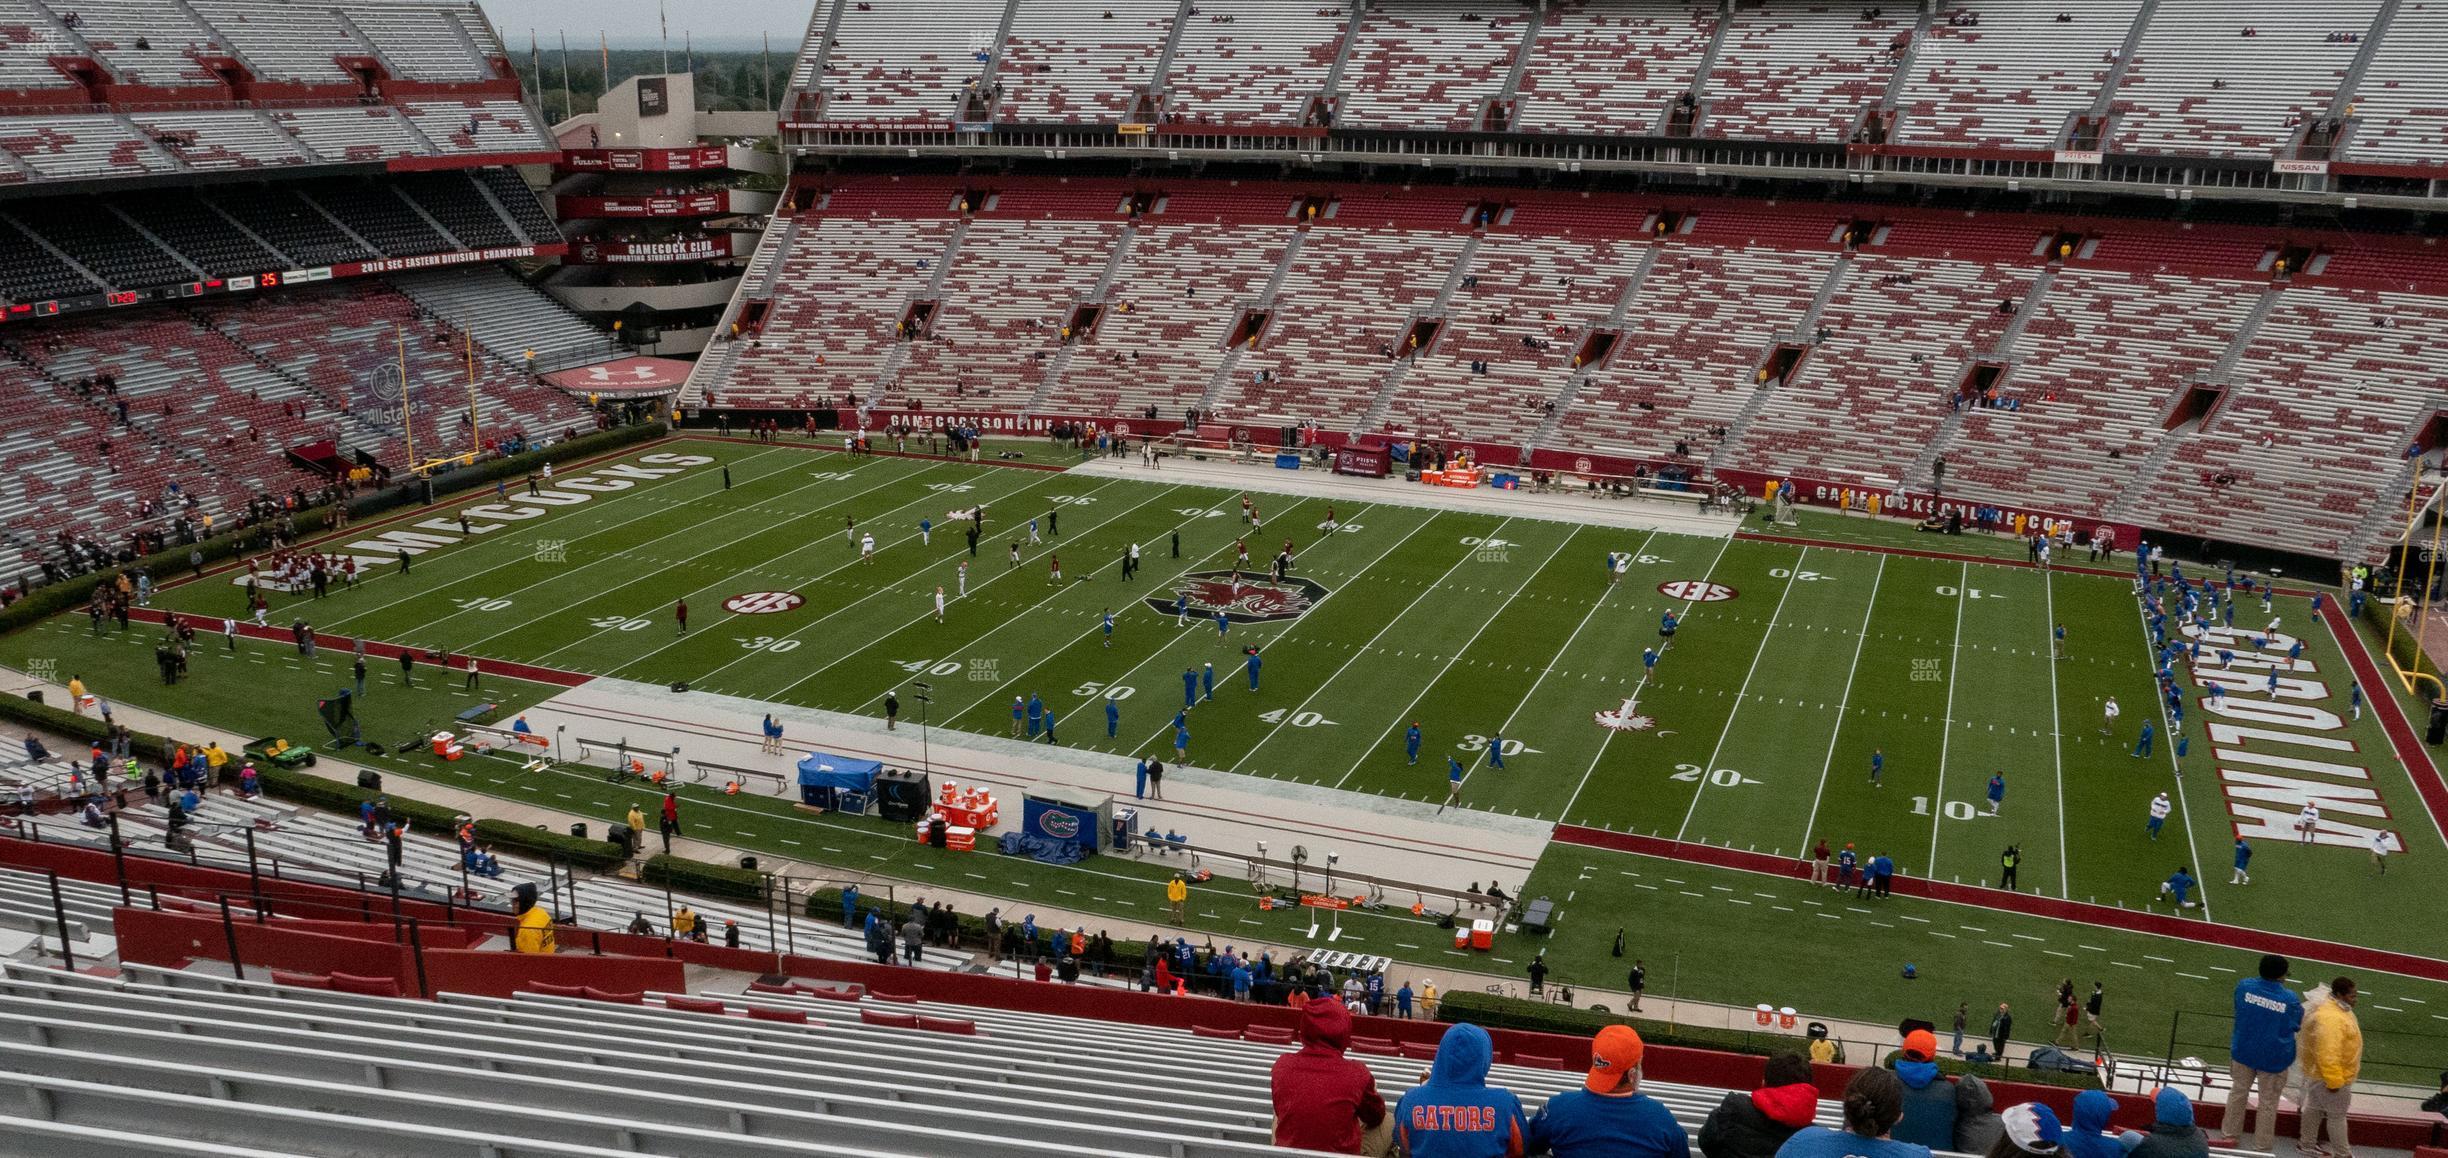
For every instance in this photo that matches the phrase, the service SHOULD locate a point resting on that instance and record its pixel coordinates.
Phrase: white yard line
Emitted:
(1007, 572)
(996, 692)
(1792, 577)
(1307, 617)
(1124, 679)
(2048, 632)
(1552, 660)
(650, 511)
(724, 545)
(2167, 743)
(1364, 649)
(1565, 816)
(1459, 652)
(1845, 701)
(1946, 734)
(1180, 634)
(817, 542)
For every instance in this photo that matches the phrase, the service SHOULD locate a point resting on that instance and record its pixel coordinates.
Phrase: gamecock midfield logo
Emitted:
(1258, 598)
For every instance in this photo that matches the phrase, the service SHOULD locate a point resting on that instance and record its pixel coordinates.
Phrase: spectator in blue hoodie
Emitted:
(2090, 1137)
(2172, 1133)
(2262, 1046)
(1873, 1103)
(1929, 1100)
(1455, 1113)
(1608, 1117)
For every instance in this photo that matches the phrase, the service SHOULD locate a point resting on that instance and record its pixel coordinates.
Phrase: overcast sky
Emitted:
(632, 23)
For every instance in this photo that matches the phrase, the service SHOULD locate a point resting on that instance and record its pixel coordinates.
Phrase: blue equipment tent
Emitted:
(823, 775)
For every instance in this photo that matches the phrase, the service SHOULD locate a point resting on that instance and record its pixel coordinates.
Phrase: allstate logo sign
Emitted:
(1059, 824)
(1255, 599)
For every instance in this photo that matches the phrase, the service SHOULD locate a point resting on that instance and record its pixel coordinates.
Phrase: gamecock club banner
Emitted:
(647, 252)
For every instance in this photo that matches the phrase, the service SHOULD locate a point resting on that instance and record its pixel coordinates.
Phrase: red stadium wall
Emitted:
(497, 973)
(171, 940)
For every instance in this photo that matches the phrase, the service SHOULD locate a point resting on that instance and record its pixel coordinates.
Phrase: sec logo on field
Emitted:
(1697, 591)
(762, 602)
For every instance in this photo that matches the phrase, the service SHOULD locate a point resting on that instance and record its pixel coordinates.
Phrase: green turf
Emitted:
(1759, 721)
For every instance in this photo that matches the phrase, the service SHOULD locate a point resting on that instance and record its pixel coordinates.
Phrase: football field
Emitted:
(1682, 793)
(1505, 640)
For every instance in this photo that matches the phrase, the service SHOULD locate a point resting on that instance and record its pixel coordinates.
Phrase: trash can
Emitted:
(749, 863)
(2439, 723)
(579, 830)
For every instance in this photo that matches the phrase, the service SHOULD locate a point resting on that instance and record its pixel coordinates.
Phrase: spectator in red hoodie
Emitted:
(1755, 1124)
(1323, 1100)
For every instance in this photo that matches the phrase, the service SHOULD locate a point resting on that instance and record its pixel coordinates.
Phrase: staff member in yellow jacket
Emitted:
(2331, 1052)
(535, 932)
(1177, 894)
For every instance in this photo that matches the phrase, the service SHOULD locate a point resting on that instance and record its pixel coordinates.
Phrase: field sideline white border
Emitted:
(1672, 516)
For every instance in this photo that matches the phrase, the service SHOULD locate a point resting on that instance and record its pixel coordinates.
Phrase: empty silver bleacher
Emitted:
(226, 1060)
(324, 848)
